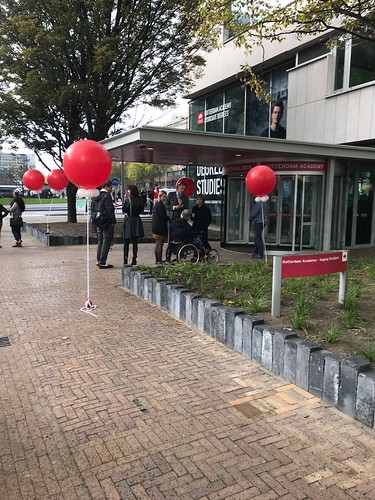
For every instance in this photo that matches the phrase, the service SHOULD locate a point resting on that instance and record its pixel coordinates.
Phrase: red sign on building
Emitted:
(200, 118)
(297, 266)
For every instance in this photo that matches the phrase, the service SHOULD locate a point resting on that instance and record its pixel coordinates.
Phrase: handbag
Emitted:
(16, 221)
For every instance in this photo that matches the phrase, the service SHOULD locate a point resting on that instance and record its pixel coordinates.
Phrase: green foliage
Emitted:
(252, 22)
(140, 172)
(350, 318)
(369, 352)
(74, 72)
(299, 318)
(332, 335)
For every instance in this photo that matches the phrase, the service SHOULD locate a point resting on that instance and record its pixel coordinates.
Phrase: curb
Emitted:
(345, 382)
(51, 240)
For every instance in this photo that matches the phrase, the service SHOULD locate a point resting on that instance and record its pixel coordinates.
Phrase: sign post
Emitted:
(298, 266)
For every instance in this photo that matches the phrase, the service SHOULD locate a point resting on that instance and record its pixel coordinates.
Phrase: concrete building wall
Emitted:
(318, 114)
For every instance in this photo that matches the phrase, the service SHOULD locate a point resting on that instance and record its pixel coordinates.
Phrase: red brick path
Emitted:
(133, 404)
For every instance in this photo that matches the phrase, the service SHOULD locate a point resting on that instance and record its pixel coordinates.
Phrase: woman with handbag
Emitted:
(133, 228)
(17, 207)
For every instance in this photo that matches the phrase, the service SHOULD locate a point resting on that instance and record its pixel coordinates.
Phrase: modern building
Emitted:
(13, 165)
(322, 152)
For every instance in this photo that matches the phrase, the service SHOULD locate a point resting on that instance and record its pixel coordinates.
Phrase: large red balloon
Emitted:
(190, 186)
(260, 180)
(87, 164)
(57, 179)
(33, 179)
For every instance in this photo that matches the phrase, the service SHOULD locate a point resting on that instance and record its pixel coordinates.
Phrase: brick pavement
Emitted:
(133, 404)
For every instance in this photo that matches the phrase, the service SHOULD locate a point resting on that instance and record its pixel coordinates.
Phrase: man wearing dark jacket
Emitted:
(103, 205)
(177, 201)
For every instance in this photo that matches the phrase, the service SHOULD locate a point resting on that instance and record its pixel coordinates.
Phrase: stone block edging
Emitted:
(345, 382)
(51, 240)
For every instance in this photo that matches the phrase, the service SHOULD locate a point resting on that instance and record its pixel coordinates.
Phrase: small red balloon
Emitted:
(33, 179)
(87, 164)
(260, 180)
(190, 186)
(57, 179)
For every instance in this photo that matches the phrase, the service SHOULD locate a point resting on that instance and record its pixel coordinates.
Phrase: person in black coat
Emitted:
(133, 228)
(202, 218)
(160, 226)
(177, 201)
(182, 231)
(103, 205)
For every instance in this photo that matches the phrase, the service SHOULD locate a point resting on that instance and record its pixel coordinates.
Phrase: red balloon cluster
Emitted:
(190, 186)
(260, 180)
(87, 164)
(33, 179)
(57, 179)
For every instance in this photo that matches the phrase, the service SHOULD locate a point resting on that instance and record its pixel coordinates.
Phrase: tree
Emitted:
(72, 71)
(140, 172)
(251, 22)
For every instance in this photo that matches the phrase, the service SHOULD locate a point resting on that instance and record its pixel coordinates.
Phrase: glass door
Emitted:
(309, 202)
(295, 211)
(237, 213)
(281, 211)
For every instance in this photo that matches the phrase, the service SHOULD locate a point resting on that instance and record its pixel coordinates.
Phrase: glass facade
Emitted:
(236, 109)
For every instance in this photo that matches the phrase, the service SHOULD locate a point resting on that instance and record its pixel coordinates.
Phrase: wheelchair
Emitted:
(187, 252)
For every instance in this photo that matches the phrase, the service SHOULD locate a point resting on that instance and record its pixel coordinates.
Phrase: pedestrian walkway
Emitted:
(130, 403)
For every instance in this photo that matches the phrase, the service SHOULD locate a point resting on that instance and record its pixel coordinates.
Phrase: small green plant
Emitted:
(299, 318)
(220, 295)
(350, 318)
(369, 352)
(332, 335)
(256, 303)
(352, 295)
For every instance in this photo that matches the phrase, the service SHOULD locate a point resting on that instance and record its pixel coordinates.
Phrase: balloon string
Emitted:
(49, 214)
(263, 238)
(88, 247)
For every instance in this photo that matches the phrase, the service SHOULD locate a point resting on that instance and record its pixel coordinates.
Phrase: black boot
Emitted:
(125, 261)
(134, 261)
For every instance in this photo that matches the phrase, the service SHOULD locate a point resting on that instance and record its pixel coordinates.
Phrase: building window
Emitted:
(236, 109)
(355, 64)
(234, 112)
(317, 50)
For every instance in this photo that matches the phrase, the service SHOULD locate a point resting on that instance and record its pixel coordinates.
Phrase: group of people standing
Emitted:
(17, 207)
(170, 219)
(170, 215)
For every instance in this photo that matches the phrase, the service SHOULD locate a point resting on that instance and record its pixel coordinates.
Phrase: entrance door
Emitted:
(237, 213)
(360, 206)
(295, 211)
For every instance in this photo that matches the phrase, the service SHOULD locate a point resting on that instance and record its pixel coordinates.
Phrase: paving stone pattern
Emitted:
(131, 403)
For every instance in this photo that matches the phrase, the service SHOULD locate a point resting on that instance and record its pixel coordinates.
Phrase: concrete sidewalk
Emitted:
(129, 403)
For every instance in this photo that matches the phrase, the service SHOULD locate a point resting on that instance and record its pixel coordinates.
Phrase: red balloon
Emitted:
(57, 179)
(260, 180)
(87, 164)
(33, 179)
(190, 186)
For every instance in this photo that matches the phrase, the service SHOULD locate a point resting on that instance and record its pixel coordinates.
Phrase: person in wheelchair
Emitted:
(181, 231)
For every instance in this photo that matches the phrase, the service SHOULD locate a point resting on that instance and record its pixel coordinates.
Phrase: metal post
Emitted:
(342, 287)
(276, 286)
